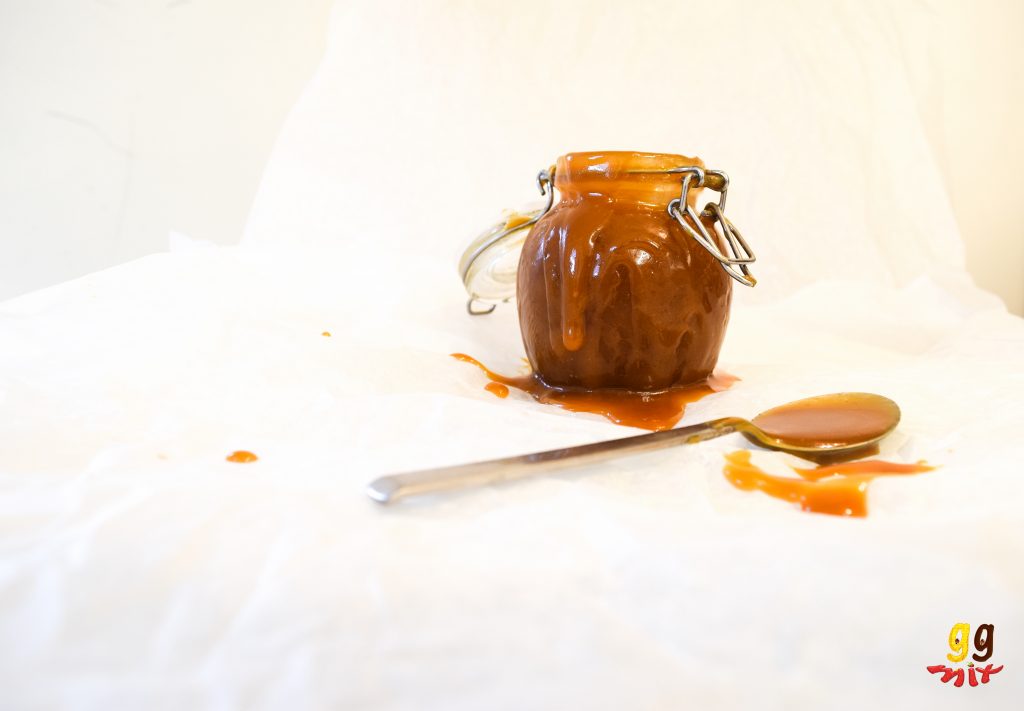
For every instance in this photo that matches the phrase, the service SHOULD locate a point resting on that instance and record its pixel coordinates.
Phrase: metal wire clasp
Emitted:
(546, 185)
(738, 253)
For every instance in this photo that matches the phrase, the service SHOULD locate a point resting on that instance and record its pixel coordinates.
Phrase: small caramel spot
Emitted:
(326, 334)
(242, 457)
(719, 381)
(498, 389)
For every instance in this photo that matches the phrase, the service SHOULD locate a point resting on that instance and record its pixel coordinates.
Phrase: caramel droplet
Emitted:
(498, 389)
(242, 457)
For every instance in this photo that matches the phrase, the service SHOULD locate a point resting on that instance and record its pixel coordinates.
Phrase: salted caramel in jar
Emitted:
(621, 283)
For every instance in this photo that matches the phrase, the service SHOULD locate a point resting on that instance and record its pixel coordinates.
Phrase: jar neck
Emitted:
(610, 175)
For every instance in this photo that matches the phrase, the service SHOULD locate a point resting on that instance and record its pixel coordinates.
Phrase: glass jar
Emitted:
(620, 283)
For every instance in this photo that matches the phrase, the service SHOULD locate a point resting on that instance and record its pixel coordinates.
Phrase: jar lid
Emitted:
(489, 263)
(488, 266)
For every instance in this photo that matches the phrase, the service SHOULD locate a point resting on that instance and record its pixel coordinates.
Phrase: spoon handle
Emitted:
(389, 488)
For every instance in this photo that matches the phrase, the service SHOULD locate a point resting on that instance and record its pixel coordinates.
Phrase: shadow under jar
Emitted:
(612, 292)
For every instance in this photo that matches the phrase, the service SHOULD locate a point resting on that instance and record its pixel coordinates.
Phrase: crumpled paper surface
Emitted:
(140, 569)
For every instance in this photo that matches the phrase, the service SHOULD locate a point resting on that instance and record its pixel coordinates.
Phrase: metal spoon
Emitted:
(838, 426)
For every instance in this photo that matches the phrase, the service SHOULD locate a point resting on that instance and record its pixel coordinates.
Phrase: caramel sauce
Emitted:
(242, 457)
(646, 410)
(612, 293)
(836, 489)
(497, 389)
(326, 334)
(864, 466)
(831, 420)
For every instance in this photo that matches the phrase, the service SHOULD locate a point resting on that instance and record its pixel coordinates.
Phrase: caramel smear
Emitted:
(835, 489)
(649, 411)
(242, 457)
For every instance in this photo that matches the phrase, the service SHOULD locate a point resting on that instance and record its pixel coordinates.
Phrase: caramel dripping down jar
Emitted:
(621, 283)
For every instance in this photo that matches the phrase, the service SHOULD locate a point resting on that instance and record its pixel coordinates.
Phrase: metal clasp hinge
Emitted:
(738, 253)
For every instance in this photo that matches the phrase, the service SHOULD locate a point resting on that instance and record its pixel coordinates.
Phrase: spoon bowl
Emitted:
(826, 427)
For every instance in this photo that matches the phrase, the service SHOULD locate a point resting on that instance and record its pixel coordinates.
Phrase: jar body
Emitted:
(612, 292)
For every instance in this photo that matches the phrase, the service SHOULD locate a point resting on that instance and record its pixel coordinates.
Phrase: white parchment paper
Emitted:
(139, 568)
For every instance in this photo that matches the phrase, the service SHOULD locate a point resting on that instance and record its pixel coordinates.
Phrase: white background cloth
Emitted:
(420, 126)
(139, 569)
(120, 121)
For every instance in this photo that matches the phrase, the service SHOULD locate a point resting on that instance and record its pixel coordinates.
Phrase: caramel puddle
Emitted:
(649, 411)
(835, 489)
